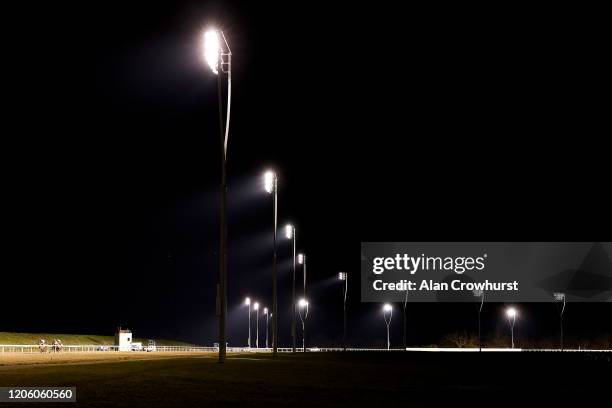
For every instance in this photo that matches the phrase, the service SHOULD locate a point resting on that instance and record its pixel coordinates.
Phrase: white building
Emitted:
(123, 339)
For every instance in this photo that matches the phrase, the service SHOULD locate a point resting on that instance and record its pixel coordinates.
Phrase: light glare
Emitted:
(212, 50)
(303, 303)
(300, 259)
(559, 296)
(247, 301)
(511, 312)
(387, 307)
(289, 231)
(269, 177)
(256, 306)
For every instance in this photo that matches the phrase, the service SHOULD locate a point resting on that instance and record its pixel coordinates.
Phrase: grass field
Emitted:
(397, 379)
(74, 339)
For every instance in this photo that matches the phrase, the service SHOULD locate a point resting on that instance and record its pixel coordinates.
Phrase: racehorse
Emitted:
(42, 345)
(57, 345)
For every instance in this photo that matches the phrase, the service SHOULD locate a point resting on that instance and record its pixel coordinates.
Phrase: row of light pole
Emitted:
(303, 306)
(256, 307)
(511, 314)
(218, 56)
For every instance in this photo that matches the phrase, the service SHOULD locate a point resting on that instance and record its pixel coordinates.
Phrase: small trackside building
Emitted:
(123, 339)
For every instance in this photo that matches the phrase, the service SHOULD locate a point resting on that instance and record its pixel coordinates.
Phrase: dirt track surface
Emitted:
(18, 359)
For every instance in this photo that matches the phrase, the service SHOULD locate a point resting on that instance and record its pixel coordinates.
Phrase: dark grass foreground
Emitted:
(396, 379)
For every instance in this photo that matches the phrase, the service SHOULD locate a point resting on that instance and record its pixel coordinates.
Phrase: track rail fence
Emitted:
(35, 348)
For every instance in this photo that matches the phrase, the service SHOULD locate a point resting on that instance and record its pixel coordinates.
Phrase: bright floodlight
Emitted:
(342, 276)
(265, 310)
(256, 306)
(303, 303)
(511, 312)
(387, 307)
(212, 49)
(269, 177)
(559, 296)
(247, 301)
(289, 231)
(300, 258)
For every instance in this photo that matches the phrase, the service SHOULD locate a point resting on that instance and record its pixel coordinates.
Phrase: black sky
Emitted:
(384, 123)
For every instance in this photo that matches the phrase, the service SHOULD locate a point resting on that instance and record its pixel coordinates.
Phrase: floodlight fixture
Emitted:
(270, 181)
(212, 50)
(289, 231)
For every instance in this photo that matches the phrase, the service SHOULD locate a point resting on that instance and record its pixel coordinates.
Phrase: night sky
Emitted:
(383, 124)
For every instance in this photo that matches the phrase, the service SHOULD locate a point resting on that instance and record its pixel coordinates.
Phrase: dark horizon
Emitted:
(411, 133)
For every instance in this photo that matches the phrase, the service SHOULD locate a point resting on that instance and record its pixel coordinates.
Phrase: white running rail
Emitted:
(35, 348)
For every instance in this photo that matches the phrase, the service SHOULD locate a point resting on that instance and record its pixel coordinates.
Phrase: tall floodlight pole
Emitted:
(265, 311)
(290, 234)
(388, 311)
(301, 258)
(219, 58)
(271, 186)
(303, 305)
(247, 302)
(256, 307)
(480, 294)
(511, 314)
(271, 315)
(343, 276)
(302, 261)
(560, 297)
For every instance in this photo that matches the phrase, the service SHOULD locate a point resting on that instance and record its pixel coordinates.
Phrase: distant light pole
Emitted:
(290, 234)
(480, 294)
(343, 276)
(511, 314)
(271, 315)
(303, 305)
(271, 186)
(256, 307)
(302, 261)
(220, 59)
(265, 311)
(247, 302)
(560, 297)
(388, 310)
